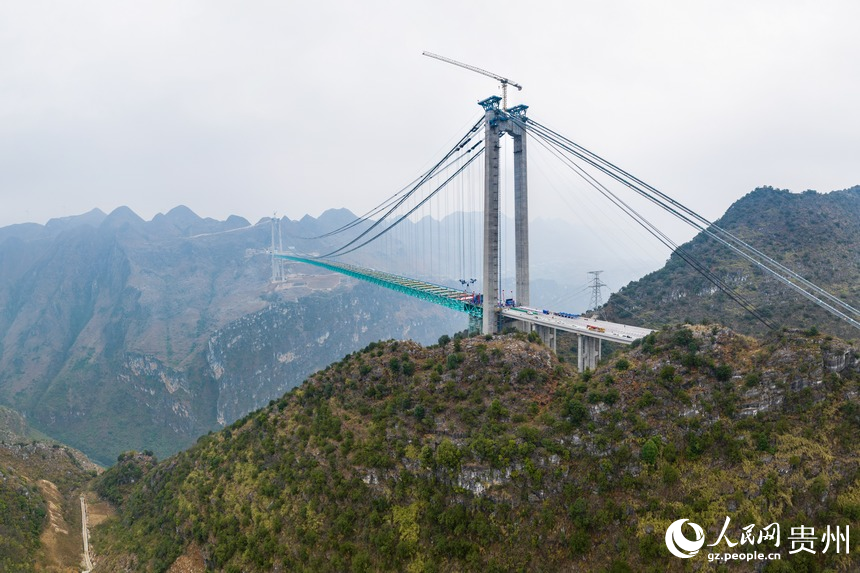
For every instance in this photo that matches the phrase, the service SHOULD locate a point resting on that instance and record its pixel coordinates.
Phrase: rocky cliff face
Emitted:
(264, 354)
(118, 333)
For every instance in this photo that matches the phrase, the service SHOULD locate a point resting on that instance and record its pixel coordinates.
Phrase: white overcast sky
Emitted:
(251, 107)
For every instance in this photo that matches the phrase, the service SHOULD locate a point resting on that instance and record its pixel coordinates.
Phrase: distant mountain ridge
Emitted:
(107, 320)
(816, 235)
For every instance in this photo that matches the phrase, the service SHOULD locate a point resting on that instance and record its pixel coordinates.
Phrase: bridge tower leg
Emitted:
(491, 215)
(521, 215)
(498, 123)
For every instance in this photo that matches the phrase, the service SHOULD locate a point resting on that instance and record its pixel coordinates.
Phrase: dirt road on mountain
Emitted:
(88, 564)
(61, 544)
(96, 511)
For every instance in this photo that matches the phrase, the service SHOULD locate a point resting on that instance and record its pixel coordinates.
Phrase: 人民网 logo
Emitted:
(677, 542)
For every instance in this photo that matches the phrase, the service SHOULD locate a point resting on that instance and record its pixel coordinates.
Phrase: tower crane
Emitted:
(504, 81)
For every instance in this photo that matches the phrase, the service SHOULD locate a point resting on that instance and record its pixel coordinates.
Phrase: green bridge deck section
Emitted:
(437, 294)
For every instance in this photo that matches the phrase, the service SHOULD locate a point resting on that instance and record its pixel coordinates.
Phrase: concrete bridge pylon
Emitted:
(498, 123)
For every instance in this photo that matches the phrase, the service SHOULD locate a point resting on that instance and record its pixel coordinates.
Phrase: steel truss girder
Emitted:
(437, 294)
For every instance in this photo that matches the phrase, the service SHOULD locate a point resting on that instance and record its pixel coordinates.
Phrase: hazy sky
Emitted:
(259, 106)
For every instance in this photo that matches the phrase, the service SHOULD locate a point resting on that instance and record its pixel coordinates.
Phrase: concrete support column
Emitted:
(588, 352)
(580, 354)
(491, 222)
(521, 216)
(548, 335)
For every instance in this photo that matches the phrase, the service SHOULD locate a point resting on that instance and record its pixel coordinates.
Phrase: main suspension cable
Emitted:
(656, 232)
(343, 250)
(705, 223)
(461, 144)
(695, 220)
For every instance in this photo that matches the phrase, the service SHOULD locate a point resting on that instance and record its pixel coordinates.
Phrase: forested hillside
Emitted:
(488, 454)
(816, 235)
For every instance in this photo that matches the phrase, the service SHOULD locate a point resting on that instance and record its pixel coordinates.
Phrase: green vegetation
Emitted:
(23, 507)
(116, 484)
(503, 459)
(22, 516)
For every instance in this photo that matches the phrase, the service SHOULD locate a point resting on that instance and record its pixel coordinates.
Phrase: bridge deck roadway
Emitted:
(465, 302)
(601, 329)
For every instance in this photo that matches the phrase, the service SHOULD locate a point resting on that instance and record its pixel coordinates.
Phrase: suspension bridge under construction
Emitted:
(491, 308)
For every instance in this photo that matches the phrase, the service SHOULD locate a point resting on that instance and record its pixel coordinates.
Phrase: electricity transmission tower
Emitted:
(596, 295)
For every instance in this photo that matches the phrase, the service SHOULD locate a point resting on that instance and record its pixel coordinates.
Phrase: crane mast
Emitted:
(504, 81)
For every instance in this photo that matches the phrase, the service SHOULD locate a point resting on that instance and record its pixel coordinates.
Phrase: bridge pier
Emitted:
(549, 335)
(474, 325)
(588, 352)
